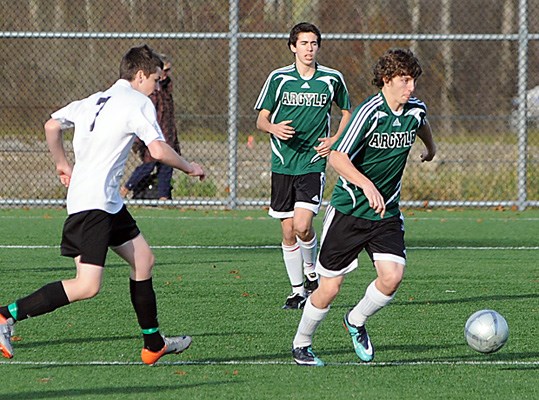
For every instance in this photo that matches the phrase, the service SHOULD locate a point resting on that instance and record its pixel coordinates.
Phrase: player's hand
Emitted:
(426, 155)
(324, 148)
(64, 173)
(197, 171)
(283, 130)
(376, 200)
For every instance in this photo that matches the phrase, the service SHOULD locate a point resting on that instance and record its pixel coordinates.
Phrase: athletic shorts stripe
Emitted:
(296, 191)
(345, 236)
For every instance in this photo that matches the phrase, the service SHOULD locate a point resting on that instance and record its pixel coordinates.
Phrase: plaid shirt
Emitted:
(164, 105)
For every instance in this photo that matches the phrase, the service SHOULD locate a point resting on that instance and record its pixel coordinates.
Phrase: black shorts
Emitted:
(345, 236)
(291, 191)
(89, 234)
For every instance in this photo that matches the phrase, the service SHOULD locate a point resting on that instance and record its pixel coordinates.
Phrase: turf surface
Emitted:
(219, 277)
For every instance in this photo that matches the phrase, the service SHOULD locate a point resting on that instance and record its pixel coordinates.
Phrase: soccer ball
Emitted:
(486, 331)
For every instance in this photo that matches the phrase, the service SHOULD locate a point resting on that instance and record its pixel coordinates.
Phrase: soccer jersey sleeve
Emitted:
(61, 116)
(79, 112)
(362, 121)
(144, 123)
(418, 109)
(267, 97)
(342, 97)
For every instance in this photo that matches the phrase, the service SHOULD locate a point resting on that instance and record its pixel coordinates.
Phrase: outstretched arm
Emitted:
(425, 134)
(53, 133)
(162, 152)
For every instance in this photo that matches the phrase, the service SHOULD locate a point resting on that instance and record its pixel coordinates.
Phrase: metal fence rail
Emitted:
(476, 84)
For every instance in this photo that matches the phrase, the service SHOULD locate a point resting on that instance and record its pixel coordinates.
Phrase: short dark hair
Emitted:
(139, 58)
(303, 27)
(395, 62)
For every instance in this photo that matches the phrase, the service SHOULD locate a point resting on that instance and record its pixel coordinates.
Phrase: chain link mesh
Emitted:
(480, 61)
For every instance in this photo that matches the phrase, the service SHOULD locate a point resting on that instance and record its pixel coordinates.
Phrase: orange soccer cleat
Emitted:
(173, 345)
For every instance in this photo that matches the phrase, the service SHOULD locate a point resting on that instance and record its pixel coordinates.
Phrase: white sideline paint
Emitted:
(15, 246)
(244, 362)
(407, 218)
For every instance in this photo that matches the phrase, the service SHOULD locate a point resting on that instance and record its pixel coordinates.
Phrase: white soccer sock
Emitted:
(308, 252)
(293, 262)
(372, 302)
(310, 319)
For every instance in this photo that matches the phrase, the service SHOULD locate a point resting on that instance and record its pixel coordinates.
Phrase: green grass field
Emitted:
(219, 277)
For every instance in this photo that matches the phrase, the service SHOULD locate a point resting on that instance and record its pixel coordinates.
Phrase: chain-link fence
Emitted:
(480, 61)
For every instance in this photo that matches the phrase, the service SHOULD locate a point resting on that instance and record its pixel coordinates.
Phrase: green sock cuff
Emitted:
(150, 331)
(13, 310)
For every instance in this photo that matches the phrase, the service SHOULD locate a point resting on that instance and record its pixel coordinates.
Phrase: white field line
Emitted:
(254, 362)
(236, 217)
(195, 247)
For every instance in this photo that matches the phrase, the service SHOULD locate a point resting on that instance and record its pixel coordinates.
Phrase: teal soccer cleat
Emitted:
(305, 356)
(360, 339)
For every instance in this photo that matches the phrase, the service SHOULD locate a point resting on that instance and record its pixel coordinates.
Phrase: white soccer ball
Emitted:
(486, 331)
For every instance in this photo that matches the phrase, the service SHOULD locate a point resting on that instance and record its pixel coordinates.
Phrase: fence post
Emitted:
(233, 54)
(523, 39)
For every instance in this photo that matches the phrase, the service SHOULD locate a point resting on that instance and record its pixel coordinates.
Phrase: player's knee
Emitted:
(391, 281)
(327, 290)
(289, 237)
(303, 231)
(145, 261)
(87, 291)
(150, 260)
(143, 267)
(92, 292)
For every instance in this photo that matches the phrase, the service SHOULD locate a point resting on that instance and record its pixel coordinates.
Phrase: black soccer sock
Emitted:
(4, 312)
(145, 305)
(42, 301)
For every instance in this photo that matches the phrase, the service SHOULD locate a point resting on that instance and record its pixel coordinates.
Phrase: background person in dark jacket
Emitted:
(152, 179)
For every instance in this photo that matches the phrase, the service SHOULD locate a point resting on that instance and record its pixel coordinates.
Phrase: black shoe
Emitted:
(305, 356)
(294, 301)
(311, 283)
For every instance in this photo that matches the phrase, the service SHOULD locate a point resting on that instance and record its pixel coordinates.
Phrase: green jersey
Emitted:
(378, 141)
(307, 103)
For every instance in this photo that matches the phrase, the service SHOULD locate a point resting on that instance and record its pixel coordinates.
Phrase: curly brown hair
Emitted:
(395, 62)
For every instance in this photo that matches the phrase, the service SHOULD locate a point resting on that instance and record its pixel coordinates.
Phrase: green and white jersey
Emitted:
(307, 103)
(378, 141)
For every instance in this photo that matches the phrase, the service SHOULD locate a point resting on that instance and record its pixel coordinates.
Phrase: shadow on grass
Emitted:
(469, 355)
(102, 339)
(521, 368)
(468, 299)
(505, 359)
(120, 265)
(106, 392)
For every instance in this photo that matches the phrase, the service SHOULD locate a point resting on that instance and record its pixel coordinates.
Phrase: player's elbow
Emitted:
(332, 158)
(52, 126)
(263, 121)
(157, 150)
(259, 125)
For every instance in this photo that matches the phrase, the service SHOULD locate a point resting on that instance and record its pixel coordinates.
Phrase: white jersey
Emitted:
(105, 126)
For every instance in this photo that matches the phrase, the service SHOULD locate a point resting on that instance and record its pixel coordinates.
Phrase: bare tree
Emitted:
(415, 11)
(132, 9)
(447, 56)
(33, 6)
(508, 16)
(303, 10)
(60, 13)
